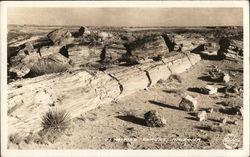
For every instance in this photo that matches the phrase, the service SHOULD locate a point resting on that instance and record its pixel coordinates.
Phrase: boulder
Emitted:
(225, 77)
(229, 48)
(83, 30)
(154, 119)
(188, 42)
(81, 54)
(60, 37)
(22, 63)
(112, 53)
(209, 90)
(148, 47)
(105, 35)
(188, 103)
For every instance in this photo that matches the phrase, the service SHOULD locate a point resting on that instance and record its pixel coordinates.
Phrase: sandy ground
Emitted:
(120, 124)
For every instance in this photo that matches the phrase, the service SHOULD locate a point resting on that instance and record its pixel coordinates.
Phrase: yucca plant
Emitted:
(56, 120)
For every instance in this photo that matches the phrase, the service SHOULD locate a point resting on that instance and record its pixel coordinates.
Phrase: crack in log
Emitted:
(170, 70)
(149, 78)
(188, 59)
(119, 83)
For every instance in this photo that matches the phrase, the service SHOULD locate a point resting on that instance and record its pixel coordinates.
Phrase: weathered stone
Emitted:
(187, 42)
(229, 48)
(23, 64)
(188, 103)
(48, 50)
(210, 110)
(201, 116)
(154, 119)
(148, 47)
(20, 70)
(225, 77)
(83, 30)
(60, 37)
(79, 55)
(224, 120)
(28, 46)
(209, 90)
(235, 122)
(219, 76)
(105, 35)
(113, 53)
(172, 46)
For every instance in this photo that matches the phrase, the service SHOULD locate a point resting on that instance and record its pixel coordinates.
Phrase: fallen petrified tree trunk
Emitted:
(80, 91)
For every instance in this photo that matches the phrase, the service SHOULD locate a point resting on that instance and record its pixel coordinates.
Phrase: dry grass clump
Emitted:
(46, 66)
(56, 120)
(15, 139)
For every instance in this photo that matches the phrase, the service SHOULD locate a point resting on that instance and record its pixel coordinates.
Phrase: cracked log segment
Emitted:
(80, 91)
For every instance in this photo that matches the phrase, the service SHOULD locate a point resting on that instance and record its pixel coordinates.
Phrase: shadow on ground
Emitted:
(133, 119)
(164, 105)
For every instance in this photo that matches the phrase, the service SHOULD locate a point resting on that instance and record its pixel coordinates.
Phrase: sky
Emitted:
(127, 16)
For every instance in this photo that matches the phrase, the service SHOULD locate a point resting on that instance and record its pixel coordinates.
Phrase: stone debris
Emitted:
(154, 119)
(233, 89)
(210, 110)
(224, 120)
(208, 90)
(235, 122)
(201, 116)
(219, 76)
(188, 103)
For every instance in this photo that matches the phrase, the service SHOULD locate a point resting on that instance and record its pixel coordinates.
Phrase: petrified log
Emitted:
(112, 53)
(80, 91)
(148, 47)
(60, 37)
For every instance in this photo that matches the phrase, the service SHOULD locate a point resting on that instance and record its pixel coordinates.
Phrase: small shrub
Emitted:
(15, 139)
(56, 121)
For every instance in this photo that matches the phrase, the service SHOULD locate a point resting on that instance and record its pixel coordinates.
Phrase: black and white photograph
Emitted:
(124, 77)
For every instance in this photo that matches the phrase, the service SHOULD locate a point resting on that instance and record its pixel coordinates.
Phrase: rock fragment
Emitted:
(188, 103)
(210, 110)
(209, 90)
(83, 30)
(201, 116)
(224, 120)
(225, 77)
(154, 119)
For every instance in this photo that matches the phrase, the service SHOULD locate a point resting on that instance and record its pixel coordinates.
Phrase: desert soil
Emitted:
(120, 124)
